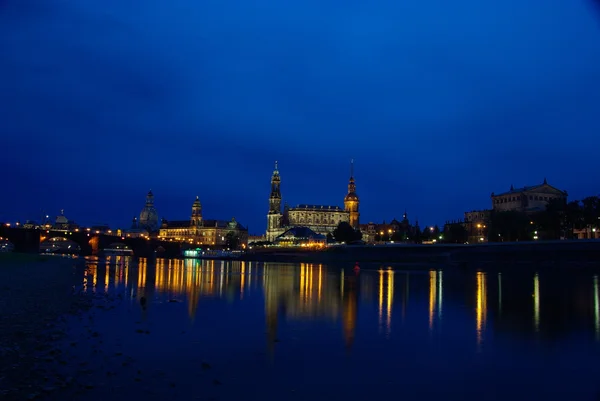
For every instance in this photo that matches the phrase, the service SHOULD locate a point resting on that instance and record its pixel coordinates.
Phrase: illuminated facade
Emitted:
(199, 231)
(318, 218)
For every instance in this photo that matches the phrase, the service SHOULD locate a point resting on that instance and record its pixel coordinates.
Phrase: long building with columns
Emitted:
(200, 231)
(322, 219)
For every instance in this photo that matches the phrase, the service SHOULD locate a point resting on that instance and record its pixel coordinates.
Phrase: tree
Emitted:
(345, 233)
(232, 240)
(456, 233)
(510, 226)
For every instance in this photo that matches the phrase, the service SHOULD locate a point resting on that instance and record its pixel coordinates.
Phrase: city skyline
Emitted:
(438, 108)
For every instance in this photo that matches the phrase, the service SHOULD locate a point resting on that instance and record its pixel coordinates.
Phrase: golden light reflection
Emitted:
(390, 298)
(142, 270)
(481, 309)
(432, 296)
(106, 276)
(596, 308)
(380, 298)
(386, 293)
(320, 282)
(242, 279)
(94, 277)
(536, 302)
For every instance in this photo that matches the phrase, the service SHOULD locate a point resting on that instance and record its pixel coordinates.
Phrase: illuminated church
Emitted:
(319, 218)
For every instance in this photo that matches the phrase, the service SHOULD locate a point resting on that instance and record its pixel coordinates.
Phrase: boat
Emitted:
(117, 249)
(211, 254)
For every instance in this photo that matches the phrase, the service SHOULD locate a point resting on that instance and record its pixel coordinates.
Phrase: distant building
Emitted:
(319, 218)
(476, 223)
(530, 199)
(200, 231)
(395, 230)
(148, 215)
(62, 223)
(527, 199)
(135, 231)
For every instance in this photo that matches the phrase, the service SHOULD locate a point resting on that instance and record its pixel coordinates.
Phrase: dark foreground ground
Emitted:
(35, 295)
(53, 347)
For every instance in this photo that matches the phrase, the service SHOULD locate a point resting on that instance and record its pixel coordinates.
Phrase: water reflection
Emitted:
(386, 298)
(481, 306)
(596, 309)
(536, 302)
(334, 296)
(436, 285)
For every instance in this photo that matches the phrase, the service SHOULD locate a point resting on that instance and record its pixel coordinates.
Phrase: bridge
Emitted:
(90, 243)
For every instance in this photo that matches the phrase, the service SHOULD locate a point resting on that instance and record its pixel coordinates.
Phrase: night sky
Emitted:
(438, 102)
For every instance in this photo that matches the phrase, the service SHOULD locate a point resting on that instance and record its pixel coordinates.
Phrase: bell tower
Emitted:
(196, 219)
(274, 216)
(351, 200)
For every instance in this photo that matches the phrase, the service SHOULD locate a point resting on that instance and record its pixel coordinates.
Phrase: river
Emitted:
(231, 330)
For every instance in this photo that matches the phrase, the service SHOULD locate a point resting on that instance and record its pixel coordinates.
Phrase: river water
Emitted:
(227, 330)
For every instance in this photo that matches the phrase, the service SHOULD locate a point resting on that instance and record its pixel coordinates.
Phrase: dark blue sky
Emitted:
(440, 103)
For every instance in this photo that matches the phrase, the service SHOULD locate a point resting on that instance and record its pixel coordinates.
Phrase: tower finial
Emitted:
(276, 168)
(351, 167)
(545, 181)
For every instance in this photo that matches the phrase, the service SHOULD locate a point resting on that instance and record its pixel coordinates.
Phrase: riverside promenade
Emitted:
(580, 251)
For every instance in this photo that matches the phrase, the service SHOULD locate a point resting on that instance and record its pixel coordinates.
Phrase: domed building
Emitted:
(62, 223)
(148, 216)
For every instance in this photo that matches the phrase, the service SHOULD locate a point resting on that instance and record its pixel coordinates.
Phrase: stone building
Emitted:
(321, 219)
(527, 199)
(148, 216)
(200, 231)
(395, 230)
(62, 223)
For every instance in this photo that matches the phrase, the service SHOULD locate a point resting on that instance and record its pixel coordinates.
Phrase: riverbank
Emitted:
(581, 251)
(36, 292)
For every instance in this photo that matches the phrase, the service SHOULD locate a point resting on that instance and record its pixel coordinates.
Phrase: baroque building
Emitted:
(319, 218)
(527, 199)
(148, 216)
(200, 231)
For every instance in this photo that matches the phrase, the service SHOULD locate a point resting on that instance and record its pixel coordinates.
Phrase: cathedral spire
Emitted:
(351, 201)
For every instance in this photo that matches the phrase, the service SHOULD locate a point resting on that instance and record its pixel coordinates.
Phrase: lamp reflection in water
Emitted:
(481, 306)
(596, 308)
(386, 293)
(242, 279)
(432, 296)
(435, 296)
(536, 302)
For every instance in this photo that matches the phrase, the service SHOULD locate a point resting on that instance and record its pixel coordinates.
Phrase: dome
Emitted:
(61, 219)
(148, 218)
(352, 196)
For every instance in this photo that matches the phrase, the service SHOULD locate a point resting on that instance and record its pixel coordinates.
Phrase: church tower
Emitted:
(351, 200)
(196, 219)
(274, 216)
